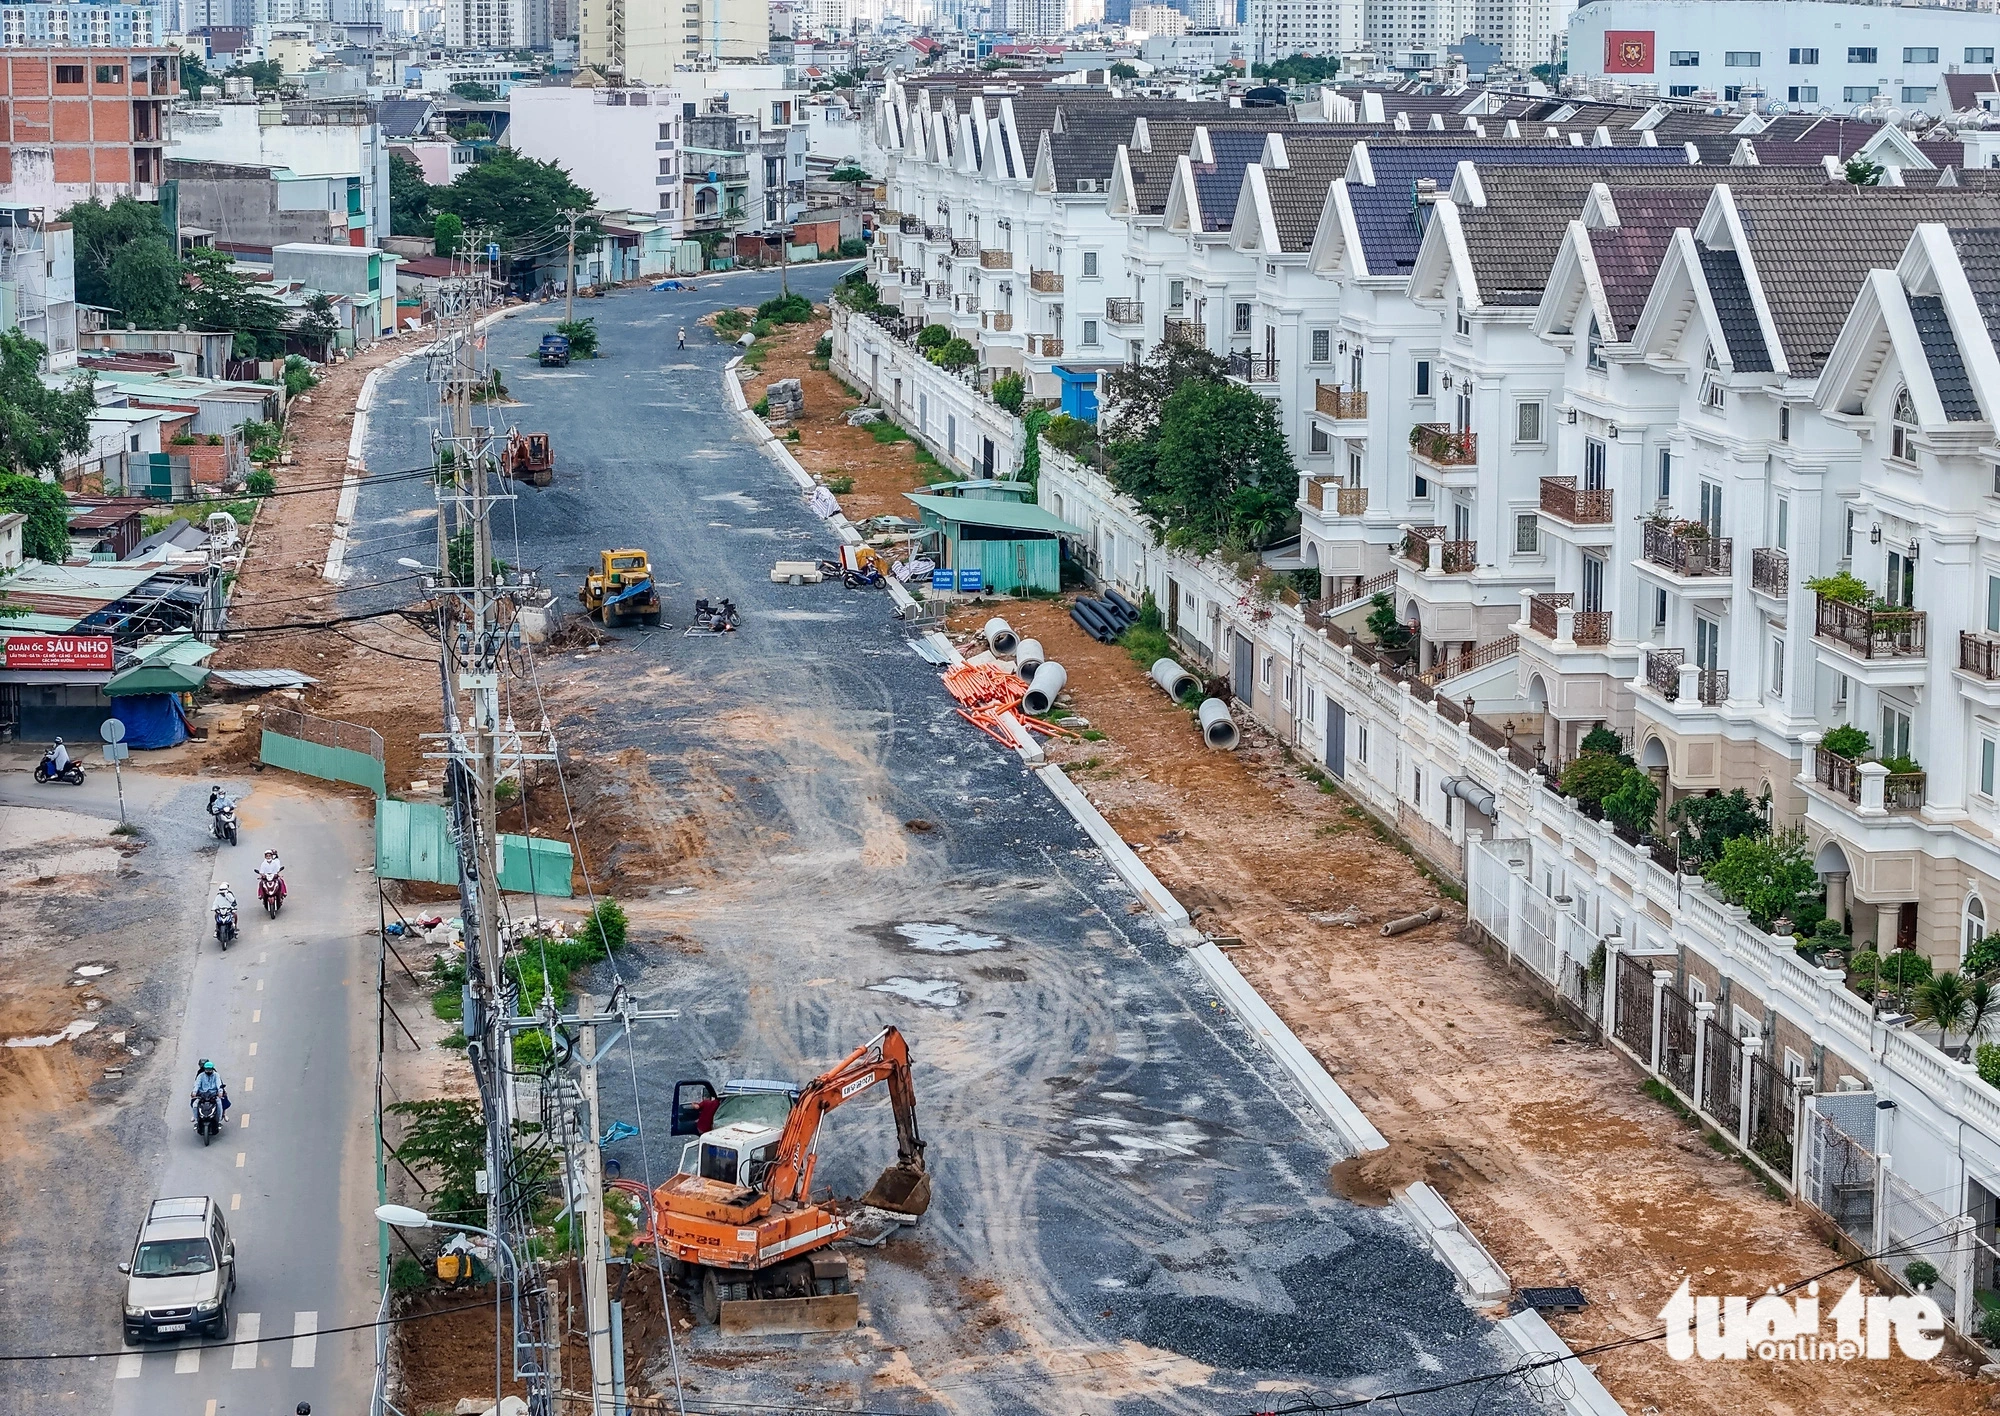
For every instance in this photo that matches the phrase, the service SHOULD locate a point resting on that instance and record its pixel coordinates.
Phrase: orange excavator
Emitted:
(738, 1222)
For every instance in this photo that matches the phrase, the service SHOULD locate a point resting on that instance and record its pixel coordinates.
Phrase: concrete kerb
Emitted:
(1128, 865)
(1531, 1335)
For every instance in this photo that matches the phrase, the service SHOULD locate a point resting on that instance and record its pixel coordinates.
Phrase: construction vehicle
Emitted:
(622, 591)
(529, 458)
(555, 351)
(738, 1222)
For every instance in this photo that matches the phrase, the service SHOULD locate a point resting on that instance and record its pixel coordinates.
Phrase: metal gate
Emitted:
(1774, 1115)
(1677, 1039)
(1633, 1023)
(1336, 739)
(1242, 667)
(1722, 1078)
(1840, 1176)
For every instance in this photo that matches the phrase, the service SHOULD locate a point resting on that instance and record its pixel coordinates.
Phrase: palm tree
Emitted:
(1944, 1001)
(1982, 1010)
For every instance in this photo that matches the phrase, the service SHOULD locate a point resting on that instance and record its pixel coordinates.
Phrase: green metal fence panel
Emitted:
(413, 842)
(335, 764)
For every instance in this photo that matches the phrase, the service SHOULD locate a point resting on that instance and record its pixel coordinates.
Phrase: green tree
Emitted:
(145, 284)
(1124, 71)
(1604, 740)
(522, 204)
(1633, 803)
(1983, 958)
(39, 425)
(1297, 69)
(446, 232)
(45, 537)
(445, 1137)
(101, 233)
(1944, 1002)
(473, 92)
(1010, 390)
(409, 197)
(1218, 471)
(1590, 777)
(1863, 173)
(955, 354)
(220, 296)
(1390, 632)
(195, 76)
(852, 176)
(934, 336)
(265, 75)
(1134, 394)
(318, 325)
(1706, 822)
(1847, 741)
(1766, 875)
(582, 337)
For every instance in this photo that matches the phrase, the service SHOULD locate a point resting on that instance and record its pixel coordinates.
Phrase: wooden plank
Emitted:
(770, 1317)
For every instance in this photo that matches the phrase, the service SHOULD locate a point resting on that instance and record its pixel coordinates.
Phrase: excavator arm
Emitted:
(904, 1187)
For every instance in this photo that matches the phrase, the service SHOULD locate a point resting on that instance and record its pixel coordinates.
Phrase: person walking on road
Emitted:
(684, 338)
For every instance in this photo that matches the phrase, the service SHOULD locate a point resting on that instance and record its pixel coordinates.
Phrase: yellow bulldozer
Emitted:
(622, 591)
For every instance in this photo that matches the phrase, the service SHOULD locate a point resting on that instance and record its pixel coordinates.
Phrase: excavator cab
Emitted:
(732, 1155)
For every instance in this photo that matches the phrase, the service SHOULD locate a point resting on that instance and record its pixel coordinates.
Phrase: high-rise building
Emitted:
(480, 24)
(1279, 28)
(1158, 20)
(646, 42)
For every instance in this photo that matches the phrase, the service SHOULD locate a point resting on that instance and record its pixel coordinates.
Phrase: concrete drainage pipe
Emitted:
(1177, 681)
(1218, 729)
(1000, 637)
(1028, 657)
(1043, 688)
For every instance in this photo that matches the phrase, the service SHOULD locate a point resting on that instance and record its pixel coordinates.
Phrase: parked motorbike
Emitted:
(719, 618)
(225, 924)
(866, 576)
(45, 771)
(225, 822)
(271, 893)
(207, 1116)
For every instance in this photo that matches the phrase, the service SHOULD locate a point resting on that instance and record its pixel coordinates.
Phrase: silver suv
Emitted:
(182, 1271)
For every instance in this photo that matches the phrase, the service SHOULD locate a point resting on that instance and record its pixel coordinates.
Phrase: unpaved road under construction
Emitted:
(1132, 1210)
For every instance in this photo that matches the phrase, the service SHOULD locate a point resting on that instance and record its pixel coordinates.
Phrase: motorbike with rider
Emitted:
(224, 907)
(209, 1101)
(222, 815)
(58, 766)
(271, 889)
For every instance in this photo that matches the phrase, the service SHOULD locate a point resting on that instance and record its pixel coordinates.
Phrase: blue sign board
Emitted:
(493, 252)
(971, 580)
(941, 580)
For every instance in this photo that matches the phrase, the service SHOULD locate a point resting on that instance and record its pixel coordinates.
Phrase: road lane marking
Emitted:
(245, 1122)
(188, 1359)
(260, 985)
(253, 1049)
(264, 957)
(209, 1410)
(128, 1365)
(305, 1338)
(239, 1160)
(249, 1084)
(256, 1015)
(247, 1325)
(236, 1202)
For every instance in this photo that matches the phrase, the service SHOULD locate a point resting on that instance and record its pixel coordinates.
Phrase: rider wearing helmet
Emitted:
(271, 871)
(208, 1083)
(59, 757)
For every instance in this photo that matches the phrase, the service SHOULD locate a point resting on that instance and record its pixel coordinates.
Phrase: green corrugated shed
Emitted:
(1015, 545)
(413, 842)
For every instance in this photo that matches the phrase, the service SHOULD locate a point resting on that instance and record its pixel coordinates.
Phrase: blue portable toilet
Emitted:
(1079, 392)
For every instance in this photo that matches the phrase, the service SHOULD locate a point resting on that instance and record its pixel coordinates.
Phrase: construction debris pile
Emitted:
(785, 401)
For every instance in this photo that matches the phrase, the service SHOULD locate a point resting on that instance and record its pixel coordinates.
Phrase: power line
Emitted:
(251, 1341)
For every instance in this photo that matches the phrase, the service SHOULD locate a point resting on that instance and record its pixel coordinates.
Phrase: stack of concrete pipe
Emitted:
(1043, 688)
(1028, 657)
(1218, 729)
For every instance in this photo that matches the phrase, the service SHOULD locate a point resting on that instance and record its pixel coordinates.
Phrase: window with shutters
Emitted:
(1528, 422)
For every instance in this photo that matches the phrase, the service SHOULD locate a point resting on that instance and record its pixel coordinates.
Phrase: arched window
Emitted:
(1904, 428)
(1975, 924)
(1593, 346)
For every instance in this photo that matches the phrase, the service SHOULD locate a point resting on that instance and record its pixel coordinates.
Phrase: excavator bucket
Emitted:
(902, 1189)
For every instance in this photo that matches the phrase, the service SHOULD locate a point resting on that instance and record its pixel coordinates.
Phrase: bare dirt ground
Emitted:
(1543, 1141)
(827, 447)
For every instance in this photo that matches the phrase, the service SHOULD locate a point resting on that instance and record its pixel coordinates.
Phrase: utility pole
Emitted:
(569, 275)
(596, 1286)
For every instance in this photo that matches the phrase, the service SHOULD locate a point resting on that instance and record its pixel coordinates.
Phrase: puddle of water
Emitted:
(69, 1034)
(93, 970)
(947, 939)
(924, 992)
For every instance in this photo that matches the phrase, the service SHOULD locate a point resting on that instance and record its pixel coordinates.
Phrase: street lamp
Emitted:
(403, 1217)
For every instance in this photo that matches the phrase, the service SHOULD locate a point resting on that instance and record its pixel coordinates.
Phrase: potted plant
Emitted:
(1846, 741)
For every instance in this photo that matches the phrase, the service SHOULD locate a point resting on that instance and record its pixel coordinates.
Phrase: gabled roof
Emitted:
(1954, 384)
(1965, 90)
(1810, 257)
(1628, 255)
(1978, 250)
(404, 117)
(1217, 183)
(1298, 191)
(1735, 311)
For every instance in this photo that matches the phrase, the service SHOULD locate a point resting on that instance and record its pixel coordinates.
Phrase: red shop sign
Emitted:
(90, 652)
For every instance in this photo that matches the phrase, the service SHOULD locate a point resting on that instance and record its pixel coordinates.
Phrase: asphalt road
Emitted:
(287, 1016)
(1132, 1208)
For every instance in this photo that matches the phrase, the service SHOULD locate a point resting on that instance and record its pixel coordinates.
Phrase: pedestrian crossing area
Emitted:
(249, 1349)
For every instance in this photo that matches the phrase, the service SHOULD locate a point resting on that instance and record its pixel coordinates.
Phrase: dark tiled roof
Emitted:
(1386, 212)
(1298, 193)
(1979, 254)
(1803, 138)
(1954, 385)
(1731, 294)
(1812, 256)
(1964, 90)
(1217, 184)
(403, 117)
(1628, 255)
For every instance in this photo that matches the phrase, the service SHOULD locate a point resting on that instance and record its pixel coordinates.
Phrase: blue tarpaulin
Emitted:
(151, 719)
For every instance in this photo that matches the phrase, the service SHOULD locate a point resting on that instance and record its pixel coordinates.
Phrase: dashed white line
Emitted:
(256, 1015)
(249, 1084)
(253, 1049)
(247, 1325)
(209, 1410)
(239, 1160)
(128, 1365)
(188, 1359)
(236, 1202)
(264, 957)
(260, 987)
(245, 1122)
(305, 1338)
